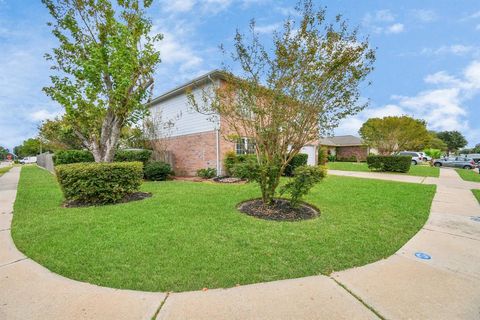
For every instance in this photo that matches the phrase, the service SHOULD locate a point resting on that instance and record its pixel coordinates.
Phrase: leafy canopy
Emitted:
(285, 97)
(453, 139)
(103, 67)
(394, 134)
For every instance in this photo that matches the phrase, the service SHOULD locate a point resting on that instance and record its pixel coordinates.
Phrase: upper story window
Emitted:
(245, 146)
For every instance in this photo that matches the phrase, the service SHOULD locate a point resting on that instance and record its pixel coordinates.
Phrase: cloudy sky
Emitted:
(428, 57)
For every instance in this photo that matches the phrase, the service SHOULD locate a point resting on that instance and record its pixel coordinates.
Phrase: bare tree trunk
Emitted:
(110, 135)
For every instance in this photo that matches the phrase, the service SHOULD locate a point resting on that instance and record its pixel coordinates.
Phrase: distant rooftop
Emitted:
(341, 141)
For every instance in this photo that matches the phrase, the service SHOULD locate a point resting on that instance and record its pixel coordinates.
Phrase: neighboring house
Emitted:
(345, 147)
(196, 140)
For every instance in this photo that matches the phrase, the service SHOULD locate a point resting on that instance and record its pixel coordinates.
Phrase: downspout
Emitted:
(217, 139)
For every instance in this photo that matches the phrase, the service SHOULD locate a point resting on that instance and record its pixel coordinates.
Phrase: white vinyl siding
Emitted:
(185, 119)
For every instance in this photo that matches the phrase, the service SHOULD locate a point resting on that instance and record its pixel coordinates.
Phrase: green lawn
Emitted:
(418, 170)
(189, 235)
(476, 193)
(4, 170)
(469, 175)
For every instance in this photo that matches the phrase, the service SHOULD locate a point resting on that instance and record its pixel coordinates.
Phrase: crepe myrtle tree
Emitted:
(104, 67)
(290, 94)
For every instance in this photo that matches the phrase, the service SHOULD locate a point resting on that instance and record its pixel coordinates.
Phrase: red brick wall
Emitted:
(196, 151)
(358, 151)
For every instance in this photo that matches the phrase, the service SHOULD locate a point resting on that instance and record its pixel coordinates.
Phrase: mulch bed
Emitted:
(136, 196)
(280, 210)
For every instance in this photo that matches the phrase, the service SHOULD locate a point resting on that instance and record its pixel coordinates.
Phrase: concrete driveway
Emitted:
(403, 286)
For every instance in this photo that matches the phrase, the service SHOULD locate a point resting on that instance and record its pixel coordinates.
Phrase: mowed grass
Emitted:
(476, 193)
(189, 235)
(469, 175)
(4, 170)
(418, 170)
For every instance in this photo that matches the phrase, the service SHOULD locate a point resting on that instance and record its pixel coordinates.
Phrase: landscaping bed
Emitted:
(469, 175)
(418, 170)
(280, 210)
(190, 236)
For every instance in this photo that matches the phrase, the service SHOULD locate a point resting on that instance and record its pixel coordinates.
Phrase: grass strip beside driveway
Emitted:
(476, 193)
(190, 235)
(418, 170)
(469, 175)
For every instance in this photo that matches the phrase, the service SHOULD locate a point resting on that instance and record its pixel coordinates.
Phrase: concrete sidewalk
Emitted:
(400, 287)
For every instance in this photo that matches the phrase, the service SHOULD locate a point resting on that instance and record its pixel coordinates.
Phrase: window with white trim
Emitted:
(245, 146)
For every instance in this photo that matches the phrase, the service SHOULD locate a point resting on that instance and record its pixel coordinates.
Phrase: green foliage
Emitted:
(352, 158)
(323, 156)
(332, 158)
(389, 163)
(104, 67)
(297, 161)
(238, 165)
(247, 169)
(229, 161)
(59, 135)
(157, 171)
(72, 156)
(393, 134)
(453, 139)
(304, 179)
(3, 153)
(207, 173)
(133, 155)
(99, 183)
(31, 147)
(433, 153)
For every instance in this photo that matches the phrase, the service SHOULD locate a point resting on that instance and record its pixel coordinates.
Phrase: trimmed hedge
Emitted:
(72, 156)
(157, 171)
(99, 183)
(132, 155)
(297, 161)
(347, 159)
(389, 163)
(232, 160)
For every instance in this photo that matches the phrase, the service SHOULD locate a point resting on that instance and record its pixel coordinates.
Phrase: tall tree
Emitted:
(31, 147)
(393, 134)
(453, 139)
(290, 94)
(104, 67)
(3, 153)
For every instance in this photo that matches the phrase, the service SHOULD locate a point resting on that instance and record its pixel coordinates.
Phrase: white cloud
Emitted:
(44, 114)
(269, 28)
(204, 6)
(382, 21)
(424, 15)
(443, 107)
(395, 28)
(455, 49)
(178, 5)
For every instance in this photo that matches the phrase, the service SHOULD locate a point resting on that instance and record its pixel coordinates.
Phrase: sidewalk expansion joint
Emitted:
(4, 229)
(369, 307)
(10, 263)
(160, 306)
(452, 234)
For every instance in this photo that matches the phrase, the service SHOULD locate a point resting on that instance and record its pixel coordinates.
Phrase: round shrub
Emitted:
(157, 171)
(297, 161)
(99, 183)
(207, 173)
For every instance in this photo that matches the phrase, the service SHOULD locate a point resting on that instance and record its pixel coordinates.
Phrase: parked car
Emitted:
(474, 156)
(455, 162)
(425, 157)
(28, 160)
(416, 156)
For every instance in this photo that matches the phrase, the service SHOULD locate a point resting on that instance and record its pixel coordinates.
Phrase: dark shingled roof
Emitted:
(341, 141)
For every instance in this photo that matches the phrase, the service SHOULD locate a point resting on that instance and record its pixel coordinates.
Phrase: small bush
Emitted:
(389, 163)
(305, 177)
(132, 155)
(248, 169)
(297, 161)
(322, 156)
(433, 153)
(72, 156)
(99, 183)
(231, 160)
(207, 173)
(157, 171)
(332, 158)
